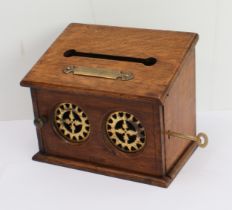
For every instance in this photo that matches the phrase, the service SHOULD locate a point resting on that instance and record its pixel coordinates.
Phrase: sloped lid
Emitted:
(169, 48)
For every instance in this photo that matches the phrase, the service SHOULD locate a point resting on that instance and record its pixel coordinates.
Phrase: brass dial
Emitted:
(125, 131)
(71, 122)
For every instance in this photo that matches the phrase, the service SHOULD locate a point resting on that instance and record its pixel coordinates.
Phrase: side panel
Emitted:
(180, 111)
(37, 115)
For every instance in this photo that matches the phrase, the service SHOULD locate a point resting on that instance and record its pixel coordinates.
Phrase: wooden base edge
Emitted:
(91, 167)
(182, 160)
(133, 176)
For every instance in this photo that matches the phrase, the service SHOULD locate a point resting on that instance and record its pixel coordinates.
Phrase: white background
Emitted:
(28, 27)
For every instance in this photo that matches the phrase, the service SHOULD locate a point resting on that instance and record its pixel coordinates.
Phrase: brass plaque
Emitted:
(98, 72)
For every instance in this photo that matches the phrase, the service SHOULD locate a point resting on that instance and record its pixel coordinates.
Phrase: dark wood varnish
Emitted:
(161, 96)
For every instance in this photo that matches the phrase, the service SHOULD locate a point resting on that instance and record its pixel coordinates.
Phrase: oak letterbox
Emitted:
(117, 101)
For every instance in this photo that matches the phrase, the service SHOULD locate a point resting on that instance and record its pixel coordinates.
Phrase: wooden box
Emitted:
(110, 100)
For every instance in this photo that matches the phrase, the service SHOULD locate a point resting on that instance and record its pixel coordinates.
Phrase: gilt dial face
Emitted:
(71, 122)
(125, 131)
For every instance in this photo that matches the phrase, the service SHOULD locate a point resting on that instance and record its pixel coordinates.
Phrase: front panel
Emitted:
(114, 132)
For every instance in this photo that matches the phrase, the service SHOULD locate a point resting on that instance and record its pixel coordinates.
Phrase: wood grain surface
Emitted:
(168, 47)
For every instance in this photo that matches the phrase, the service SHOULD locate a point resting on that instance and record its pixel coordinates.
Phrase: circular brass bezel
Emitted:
(67, 135)
(127, 120)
